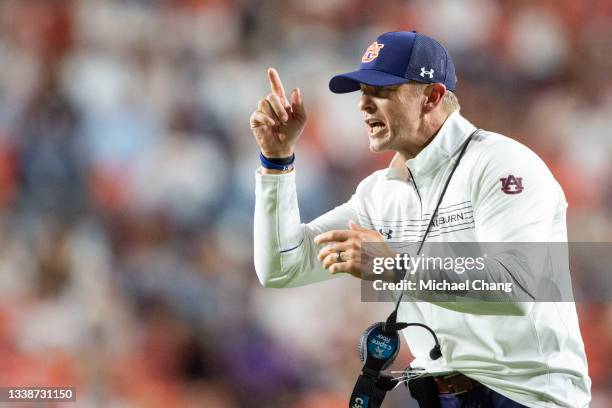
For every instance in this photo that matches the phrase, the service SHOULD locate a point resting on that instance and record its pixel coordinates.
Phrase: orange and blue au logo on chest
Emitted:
(372, 52)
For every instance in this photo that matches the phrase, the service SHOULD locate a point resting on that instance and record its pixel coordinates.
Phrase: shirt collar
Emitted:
(455, 130)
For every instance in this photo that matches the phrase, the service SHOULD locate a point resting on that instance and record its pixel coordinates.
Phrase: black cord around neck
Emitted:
(433, 215)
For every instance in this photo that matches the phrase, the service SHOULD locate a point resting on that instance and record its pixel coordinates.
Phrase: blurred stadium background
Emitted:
(127, 177)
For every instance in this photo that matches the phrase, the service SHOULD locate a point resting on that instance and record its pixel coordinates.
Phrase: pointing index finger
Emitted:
(277, 86)
(333, 236)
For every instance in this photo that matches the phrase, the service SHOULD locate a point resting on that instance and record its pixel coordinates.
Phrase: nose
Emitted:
(366, 104)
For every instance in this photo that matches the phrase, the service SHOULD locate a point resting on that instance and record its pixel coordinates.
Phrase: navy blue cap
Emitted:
(398, 57)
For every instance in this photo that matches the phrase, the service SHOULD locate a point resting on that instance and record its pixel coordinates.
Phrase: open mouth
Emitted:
(375, 126)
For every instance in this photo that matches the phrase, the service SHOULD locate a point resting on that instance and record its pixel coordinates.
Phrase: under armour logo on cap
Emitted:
(425, 72)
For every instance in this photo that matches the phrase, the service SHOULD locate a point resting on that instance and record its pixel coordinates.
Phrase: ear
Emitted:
(435, 95)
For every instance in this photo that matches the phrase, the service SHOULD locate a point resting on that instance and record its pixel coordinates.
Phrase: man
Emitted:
(493, 355)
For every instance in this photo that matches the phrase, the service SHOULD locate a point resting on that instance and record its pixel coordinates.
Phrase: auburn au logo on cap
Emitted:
(372, 52)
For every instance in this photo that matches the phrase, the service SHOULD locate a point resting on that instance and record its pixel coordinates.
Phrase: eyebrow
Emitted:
(374, 88)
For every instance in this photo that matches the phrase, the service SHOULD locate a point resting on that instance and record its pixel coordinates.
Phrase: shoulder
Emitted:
(493, 152)
(505, 167)
(490, 145)
(372, 182)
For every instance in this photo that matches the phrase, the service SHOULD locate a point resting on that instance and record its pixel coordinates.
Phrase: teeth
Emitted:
(375, 127)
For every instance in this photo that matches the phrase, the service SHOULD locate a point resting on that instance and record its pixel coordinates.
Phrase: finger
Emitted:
(264, 107)
(327, 250)
(334, 248)
(345, 256)
(278, 108)
(277, 86)
(333, 236)
(297, 104)
(260, 119)
(350, 267)
(329, 260)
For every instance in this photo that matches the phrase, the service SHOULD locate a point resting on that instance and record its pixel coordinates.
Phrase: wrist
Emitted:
(281, 154)
(280, 163)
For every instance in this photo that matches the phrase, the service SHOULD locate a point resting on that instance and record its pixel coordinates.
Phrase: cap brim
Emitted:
(351, 81)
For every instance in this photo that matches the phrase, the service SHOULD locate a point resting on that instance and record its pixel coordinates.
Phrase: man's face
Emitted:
(392, 116)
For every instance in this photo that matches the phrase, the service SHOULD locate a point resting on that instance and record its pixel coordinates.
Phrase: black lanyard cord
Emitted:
(433, 216)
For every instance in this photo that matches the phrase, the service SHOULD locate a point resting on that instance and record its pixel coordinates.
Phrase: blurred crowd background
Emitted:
(127, 177)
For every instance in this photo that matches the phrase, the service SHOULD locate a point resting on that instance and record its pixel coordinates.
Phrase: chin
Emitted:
(381, 143)
(377, 147)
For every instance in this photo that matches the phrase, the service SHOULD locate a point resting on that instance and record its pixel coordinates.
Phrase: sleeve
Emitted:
(517, 206)
(284, 252)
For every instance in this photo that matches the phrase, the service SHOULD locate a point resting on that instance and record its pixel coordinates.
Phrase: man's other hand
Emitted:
(349, 244)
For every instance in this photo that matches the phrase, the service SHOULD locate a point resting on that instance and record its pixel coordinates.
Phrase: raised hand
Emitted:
(278, 122)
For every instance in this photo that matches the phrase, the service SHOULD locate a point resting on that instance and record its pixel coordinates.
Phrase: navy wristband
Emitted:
(285, 163)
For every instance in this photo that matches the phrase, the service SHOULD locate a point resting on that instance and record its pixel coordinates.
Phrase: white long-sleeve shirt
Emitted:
(530, 352)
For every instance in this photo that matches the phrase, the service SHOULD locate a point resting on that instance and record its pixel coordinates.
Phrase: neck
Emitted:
(431, 127)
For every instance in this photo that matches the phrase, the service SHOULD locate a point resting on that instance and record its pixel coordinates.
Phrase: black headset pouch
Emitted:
(425, 391)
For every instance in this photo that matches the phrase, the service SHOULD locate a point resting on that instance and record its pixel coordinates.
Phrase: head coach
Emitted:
(526, 354)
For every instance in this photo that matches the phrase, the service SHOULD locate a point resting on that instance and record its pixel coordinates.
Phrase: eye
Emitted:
(381, 92)
(377, 91)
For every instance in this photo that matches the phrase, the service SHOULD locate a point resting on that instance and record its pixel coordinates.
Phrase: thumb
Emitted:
(356, 227)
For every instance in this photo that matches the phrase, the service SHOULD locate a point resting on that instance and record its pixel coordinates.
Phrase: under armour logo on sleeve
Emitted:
(511, 184)
(425, 72)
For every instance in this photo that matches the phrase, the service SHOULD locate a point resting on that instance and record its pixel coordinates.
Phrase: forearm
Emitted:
(285, 253)
(276, 225)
